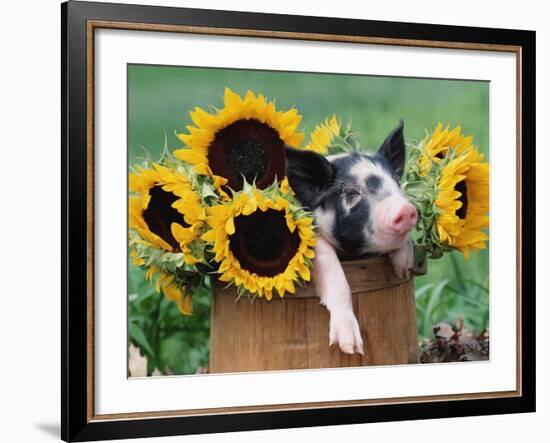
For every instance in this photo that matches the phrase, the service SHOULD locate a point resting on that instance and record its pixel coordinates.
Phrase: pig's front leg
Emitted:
(333, 289)
(403, 259)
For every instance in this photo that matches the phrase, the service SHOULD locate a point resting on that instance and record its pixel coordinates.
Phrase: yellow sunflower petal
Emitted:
(185, 304)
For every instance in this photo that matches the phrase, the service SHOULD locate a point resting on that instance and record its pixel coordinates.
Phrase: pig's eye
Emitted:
(352, 196)
(351, 192)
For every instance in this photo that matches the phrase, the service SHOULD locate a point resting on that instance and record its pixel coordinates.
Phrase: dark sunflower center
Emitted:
(247, 148)
(462, 188)
(160, 215)
(262, 242)
(248, 157)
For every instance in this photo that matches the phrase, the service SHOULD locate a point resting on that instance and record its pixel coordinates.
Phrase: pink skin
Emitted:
(333, 289)
(393, 218)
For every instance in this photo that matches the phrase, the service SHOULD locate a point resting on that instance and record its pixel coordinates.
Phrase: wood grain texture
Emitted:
(292, 333)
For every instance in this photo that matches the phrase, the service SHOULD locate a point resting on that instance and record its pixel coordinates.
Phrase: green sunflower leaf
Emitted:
(139, 338)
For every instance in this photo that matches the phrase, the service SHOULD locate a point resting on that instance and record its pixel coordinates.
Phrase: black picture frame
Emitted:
(76, 422)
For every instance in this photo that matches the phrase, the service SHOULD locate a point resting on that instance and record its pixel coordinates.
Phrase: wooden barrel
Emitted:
(292, 333)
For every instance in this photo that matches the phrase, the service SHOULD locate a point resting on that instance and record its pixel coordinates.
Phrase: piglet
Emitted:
(360, 210)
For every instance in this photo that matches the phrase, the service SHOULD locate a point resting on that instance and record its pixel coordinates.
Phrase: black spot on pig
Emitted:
(374, 183)
(349, 229)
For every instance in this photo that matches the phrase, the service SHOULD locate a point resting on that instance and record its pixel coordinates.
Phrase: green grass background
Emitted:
(159, 101)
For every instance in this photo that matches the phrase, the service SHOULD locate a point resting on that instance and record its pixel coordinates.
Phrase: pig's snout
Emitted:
(403, 220)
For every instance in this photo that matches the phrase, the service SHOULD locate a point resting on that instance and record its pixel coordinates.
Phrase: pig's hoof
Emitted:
(344, 330)
(402, 259)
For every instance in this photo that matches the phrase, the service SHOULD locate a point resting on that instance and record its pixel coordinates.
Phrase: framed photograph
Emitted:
(276, 221)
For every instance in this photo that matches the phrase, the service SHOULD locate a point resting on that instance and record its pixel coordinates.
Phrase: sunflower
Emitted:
(321, 138)
(246, 138)
(172, 290)
(164, 210)
(262, 241)
(437, 145)
(463, 202)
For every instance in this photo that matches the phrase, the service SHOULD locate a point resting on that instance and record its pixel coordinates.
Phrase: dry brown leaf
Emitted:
(457, 344)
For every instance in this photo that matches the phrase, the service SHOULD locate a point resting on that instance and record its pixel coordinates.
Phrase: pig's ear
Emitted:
(310, 174)
(393, 149)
